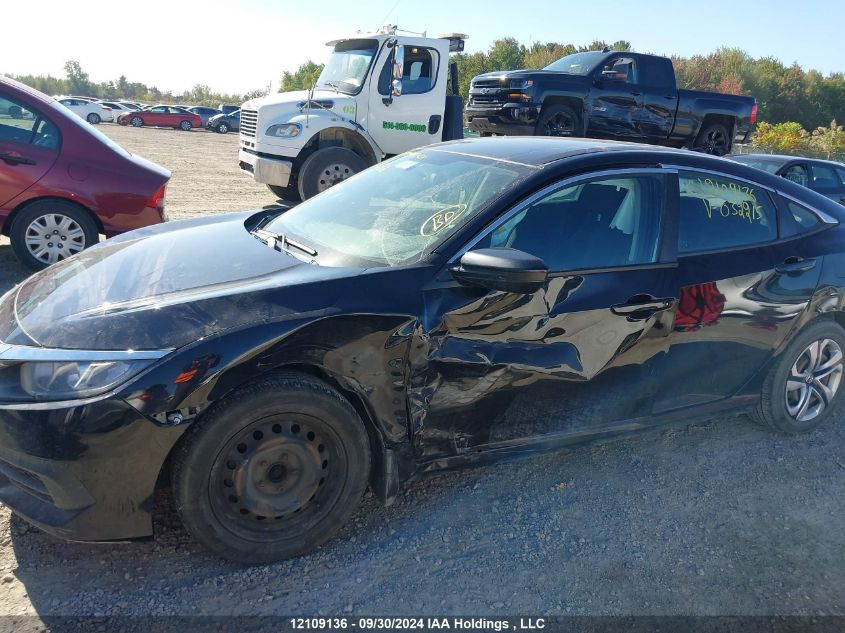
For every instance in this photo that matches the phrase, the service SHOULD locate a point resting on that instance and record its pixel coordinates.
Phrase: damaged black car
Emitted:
(464, 301)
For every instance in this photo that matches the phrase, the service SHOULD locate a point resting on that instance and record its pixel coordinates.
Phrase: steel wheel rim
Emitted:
(814, 380)
(136, 121)
(334, 174)
(297, 458)
(715, 142)
(53, 237)
(560, 124)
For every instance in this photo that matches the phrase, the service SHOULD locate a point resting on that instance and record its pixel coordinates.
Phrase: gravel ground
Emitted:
(721, 518)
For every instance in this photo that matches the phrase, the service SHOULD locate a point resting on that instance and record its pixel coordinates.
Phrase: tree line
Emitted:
(784, 93)
(77, 82)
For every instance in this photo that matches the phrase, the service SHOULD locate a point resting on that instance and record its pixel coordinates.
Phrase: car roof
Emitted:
(32, 92)
(784, 158)
(538, 151)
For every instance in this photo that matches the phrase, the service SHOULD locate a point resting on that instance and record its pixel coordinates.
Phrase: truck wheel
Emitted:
(714, 139)
(558, 120)
(325, 168)
(273, 471)
(288, 194)
(48, 231)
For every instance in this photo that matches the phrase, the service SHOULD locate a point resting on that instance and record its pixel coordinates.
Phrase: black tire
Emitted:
(185, 126)
(453, 119)
(325, 168)
(287, 194)
(264, 449)
(93, 119)
(776, 398)
(222, 128)
(713, 139)
(22, 226)
(558, 120)
(136, 121)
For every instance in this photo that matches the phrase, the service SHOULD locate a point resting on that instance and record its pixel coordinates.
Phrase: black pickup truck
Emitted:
(609, 94)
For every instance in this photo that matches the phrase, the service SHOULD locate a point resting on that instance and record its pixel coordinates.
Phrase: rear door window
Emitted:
(797, 174)
(824, 177)
(22, 125)
(717, 213)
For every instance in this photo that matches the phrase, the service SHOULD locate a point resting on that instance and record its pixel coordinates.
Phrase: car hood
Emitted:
(165, 286)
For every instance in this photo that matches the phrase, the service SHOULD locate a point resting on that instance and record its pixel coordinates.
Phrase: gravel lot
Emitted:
(720, 518)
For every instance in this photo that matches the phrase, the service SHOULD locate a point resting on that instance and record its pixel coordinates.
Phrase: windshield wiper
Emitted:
(283, 241)
(332, 85)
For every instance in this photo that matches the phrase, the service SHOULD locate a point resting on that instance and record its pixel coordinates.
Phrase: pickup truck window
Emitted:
(577, 64)
(621, 69)
(601, 223)
(717, 213)
(657, 72)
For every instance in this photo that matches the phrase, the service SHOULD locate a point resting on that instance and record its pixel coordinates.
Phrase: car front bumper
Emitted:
(508, 118)
(265, 169)
(83, 473)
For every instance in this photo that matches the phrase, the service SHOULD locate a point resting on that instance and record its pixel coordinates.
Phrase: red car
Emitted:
(162, 116)
(63, 183)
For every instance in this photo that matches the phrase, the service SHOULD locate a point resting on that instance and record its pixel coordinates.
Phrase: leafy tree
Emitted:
(304, 77)
(78, 80)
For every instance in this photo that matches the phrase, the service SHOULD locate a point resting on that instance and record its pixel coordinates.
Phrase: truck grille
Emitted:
(488, 83)
(249, 122)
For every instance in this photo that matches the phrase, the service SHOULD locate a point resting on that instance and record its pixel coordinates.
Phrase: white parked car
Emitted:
(91, 111)
(118, 108)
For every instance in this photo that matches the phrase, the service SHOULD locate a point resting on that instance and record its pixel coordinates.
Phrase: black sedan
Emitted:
(468, 300)
(224, 123)
(824, 176)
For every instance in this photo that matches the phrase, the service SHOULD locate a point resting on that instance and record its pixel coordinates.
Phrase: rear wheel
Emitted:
(49, 231)
(713, 139)
(137, 121)
(185, 126)
(273, 471)
(93, 118)
(805, 386)
(327, 167)
(558, 120)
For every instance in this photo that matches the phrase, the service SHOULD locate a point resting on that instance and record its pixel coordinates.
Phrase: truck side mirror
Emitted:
(398, 62)
(396, 88)
(613, 75)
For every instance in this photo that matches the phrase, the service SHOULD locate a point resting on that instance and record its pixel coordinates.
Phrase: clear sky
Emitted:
(242, 45)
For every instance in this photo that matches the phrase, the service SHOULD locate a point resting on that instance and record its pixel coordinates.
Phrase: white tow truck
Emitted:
(379, 95)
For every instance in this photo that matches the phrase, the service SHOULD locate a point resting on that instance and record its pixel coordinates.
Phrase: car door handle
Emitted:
(16, 159)
(641, 306)
(795, 264)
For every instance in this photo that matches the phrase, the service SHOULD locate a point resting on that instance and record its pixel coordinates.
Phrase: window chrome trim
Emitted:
(26, 353)
(549, 189)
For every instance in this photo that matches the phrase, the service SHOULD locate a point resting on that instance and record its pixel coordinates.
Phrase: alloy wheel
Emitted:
(560, 124)
(714, 142)
(814, 380)
(52, 237)
(137, 121)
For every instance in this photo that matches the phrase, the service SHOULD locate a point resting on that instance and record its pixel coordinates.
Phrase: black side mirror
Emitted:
(505, 269)
(613, 75)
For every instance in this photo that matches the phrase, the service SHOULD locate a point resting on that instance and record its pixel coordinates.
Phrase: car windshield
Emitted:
(577, 64)
(348, 65)
(770, 165)
(396, 212)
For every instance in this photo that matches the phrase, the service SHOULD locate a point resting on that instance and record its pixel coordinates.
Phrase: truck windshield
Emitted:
(577, 64)
(348, 65)
(396, 212)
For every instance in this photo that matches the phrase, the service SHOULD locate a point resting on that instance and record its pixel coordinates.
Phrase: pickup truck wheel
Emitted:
(273, 471)
(558, 120)
(325, 168)
(713, 139)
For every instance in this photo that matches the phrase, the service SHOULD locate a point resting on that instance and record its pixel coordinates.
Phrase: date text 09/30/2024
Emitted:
(416, 623)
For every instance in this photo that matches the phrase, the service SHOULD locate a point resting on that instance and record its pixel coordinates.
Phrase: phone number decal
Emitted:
(403, 127)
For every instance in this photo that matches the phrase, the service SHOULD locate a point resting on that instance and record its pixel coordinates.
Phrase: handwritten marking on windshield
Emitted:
(441, 219)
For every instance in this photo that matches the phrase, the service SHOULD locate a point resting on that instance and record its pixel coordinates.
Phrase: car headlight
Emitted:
(70, 380)
(521, 84)
(284, 130)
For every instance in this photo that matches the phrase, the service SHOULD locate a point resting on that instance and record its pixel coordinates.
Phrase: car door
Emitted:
(573, 358)
(825, 180)
(740, 291)
(157, 116)
(29, 145)
(399, 123)
(656, 81)
(615, 100)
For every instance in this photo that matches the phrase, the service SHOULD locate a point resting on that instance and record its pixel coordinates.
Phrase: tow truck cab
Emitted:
(378, 95)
